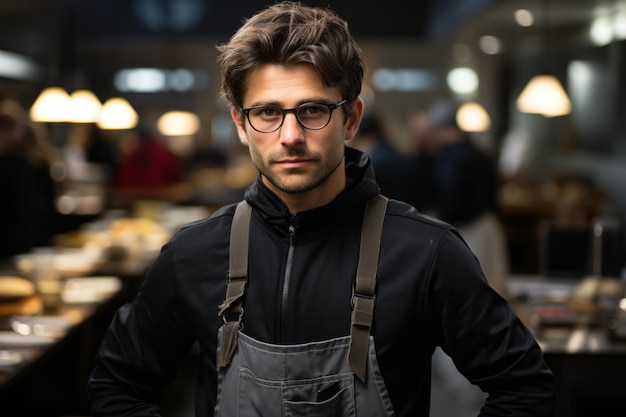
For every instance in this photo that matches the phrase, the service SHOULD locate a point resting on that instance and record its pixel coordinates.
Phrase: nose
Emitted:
(291, 132)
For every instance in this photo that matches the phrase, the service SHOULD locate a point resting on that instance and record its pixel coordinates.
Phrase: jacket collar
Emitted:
(361, 186)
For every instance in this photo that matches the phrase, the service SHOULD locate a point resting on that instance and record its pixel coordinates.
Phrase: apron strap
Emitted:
(365, 285)
(231, 310)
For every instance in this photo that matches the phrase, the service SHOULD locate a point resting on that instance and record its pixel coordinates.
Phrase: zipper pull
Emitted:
(292, 231)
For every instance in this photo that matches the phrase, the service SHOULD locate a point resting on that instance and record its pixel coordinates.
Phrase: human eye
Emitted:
(266, 113)
(313, 111)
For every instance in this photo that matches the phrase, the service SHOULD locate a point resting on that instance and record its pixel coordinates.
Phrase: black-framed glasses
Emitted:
(312, 116)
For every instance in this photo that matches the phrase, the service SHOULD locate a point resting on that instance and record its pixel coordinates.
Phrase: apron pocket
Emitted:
(341, 404)
(329, 396)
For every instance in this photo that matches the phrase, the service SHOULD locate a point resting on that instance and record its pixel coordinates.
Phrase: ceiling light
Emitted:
(403, 79)
(472, 117)
(18, 67)
(117, 114)
(156, 80)
(51, 105)
(490, 45)
(601, 30)
(463, 80)
(619, 23)
(544, 95)
(181, 80)
(141, 80)
(178, 123)
(84, 107)
(524, 17)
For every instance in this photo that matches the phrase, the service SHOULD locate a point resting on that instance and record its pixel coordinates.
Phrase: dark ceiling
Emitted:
(38, 27)
(218, 19)
(86, 41)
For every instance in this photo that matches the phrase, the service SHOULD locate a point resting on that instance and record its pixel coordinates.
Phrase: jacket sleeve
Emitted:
(142, 348)
(484, 337)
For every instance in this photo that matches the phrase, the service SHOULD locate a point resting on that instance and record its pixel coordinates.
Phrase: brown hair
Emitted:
(289, 33)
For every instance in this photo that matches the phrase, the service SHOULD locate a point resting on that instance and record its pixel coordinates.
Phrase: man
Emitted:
(293, 76)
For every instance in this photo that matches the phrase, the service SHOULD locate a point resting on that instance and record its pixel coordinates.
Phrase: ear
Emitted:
(354, 119)
(241, 130)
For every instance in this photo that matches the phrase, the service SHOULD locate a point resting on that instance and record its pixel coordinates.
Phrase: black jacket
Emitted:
(430, 292)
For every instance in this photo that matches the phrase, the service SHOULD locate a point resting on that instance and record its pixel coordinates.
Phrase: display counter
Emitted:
(51, 331)
(582, 345)
(45, 358)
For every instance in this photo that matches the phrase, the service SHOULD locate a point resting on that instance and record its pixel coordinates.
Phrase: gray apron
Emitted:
(338, 377)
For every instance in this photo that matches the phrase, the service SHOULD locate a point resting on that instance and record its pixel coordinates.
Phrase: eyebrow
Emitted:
(299, 103)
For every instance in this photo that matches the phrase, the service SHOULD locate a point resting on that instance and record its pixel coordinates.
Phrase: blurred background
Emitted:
(138, 141)
(159, 57)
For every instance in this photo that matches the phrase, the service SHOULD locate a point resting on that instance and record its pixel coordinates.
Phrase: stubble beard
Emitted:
(298, 181)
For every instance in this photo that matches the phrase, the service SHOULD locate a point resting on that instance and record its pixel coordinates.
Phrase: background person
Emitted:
(465, 181)
(396, 173)
(27, 213)
(423, 159)
(147, 169)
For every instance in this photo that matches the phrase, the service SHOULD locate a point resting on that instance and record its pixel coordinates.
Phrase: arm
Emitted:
(143, 347)
(486, 340)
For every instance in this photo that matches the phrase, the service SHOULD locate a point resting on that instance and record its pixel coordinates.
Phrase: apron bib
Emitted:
(337, 377)
(312, 380)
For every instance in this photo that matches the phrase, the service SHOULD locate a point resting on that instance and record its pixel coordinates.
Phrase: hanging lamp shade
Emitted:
(544, 95)
(178, 123)
(52, 105)
(117, 114)
(84, 107)
(472, 117)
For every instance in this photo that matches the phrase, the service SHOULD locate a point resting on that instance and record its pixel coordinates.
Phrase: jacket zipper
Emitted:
(287, 279)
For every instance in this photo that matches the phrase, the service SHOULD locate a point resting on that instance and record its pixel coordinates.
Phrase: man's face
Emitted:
(295, 161)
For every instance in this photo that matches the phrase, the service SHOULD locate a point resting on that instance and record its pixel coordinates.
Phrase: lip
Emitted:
(293, 163)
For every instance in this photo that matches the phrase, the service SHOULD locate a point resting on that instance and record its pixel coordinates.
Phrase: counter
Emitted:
(46, 354)
(588, 363)
(45, 359)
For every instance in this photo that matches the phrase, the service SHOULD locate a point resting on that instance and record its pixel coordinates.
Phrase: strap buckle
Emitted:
(359, 295)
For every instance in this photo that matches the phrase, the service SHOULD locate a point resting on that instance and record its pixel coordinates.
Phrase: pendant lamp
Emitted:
(84, 107)
(178, 123)
(544, 93)
(52, 105)
(472, 117)
(117, 114)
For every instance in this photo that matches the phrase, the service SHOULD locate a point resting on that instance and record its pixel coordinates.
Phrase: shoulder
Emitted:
(405, 224)
(399, 211)
(205, 232)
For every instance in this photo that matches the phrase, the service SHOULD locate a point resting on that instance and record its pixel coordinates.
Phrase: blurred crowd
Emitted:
(51, 180)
